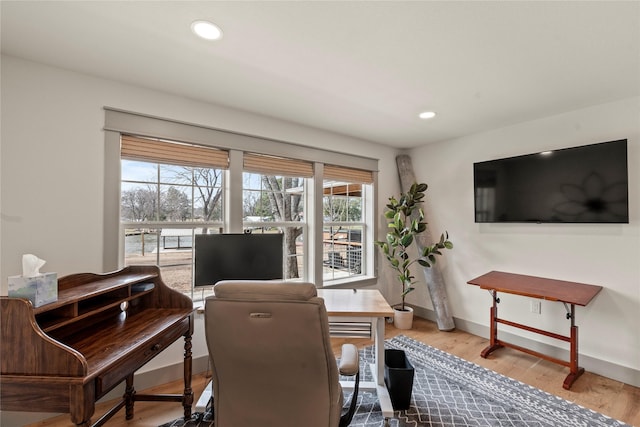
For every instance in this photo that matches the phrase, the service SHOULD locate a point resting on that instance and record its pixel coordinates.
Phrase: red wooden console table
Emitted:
(568, 293)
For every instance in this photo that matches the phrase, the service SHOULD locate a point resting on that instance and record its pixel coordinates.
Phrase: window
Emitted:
(345, 227)
(168, 195)
(166, 181)
(274, 201)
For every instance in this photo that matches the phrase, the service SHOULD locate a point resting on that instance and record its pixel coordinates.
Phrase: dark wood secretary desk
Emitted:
(568, 293)
(64, 356)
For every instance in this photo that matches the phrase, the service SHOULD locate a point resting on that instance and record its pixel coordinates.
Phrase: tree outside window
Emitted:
(162, 208)
(269, 200)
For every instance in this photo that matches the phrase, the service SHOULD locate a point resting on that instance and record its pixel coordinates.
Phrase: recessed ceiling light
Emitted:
(427, 115)
(207, 30)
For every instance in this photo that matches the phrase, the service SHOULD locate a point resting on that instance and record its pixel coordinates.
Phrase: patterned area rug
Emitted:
(449, 391)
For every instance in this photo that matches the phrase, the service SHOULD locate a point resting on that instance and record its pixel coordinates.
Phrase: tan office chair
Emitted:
(271, 356)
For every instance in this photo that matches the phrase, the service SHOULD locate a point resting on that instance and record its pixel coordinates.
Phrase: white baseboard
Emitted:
(597, 366)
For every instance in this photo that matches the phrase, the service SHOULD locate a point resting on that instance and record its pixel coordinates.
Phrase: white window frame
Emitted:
(118, 122)
(190, 226)
(367, 236)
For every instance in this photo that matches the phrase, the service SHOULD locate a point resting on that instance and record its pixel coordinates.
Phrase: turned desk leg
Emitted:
(129, 397)
(188, 391)
(494, 344)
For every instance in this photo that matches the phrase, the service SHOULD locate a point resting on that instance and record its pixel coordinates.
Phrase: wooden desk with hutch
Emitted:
(64, 356)
(568, 293)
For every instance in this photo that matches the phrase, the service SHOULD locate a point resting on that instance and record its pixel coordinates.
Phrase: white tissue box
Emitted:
(40, 290)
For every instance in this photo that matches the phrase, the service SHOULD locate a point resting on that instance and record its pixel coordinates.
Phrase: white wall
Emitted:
(606, 255)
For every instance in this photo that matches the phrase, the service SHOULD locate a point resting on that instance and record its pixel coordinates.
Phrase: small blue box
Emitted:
(40, 290)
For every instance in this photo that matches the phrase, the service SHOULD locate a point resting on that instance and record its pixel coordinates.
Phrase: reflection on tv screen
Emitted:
(587, 184)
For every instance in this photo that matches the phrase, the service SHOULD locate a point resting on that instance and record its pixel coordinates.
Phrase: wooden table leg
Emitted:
(493, 328)
(187, 400)
(575, 370)
(82, 404)
(128, 397)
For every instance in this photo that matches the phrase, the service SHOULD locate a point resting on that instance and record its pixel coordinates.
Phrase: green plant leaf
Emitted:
(407, 290)
(406, 240)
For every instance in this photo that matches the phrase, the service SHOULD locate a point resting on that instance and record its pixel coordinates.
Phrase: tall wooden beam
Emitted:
(432, 275)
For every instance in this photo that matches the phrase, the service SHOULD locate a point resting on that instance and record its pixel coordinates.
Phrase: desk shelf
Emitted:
(90, 299)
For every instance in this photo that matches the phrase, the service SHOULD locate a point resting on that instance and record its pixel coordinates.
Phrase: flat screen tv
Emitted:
(586, 184)
(237, 257)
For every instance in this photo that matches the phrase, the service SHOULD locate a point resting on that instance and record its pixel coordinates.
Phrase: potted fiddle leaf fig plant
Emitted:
(406, 221)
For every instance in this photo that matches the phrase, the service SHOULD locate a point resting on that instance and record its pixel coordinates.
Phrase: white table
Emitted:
(361, 307)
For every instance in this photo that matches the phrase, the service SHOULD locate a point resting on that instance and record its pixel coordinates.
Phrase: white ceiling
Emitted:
(359, 68)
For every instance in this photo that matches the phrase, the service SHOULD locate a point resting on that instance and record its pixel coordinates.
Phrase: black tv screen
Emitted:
(586, 184)
(237, 257)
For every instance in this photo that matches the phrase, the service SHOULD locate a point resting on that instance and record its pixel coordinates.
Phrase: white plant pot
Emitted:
(403, 319)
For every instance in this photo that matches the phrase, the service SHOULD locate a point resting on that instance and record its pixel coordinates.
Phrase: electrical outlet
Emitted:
(536, 306)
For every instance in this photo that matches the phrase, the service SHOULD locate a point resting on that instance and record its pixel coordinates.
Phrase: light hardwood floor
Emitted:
(612, 398)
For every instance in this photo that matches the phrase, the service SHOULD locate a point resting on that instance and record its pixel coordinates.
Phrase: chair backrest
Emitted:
(271, 355)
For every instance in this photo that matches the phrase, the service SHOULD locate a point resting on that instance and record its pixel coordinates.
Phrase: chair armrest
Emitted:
(349, 363)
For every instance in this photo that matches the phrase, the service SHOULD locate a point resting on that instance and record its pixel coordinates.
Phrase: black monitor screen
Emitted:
(237, 257)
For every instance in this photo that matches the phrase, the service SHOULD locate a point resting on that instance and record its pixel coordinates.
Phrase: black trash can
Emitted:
(398, 377)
